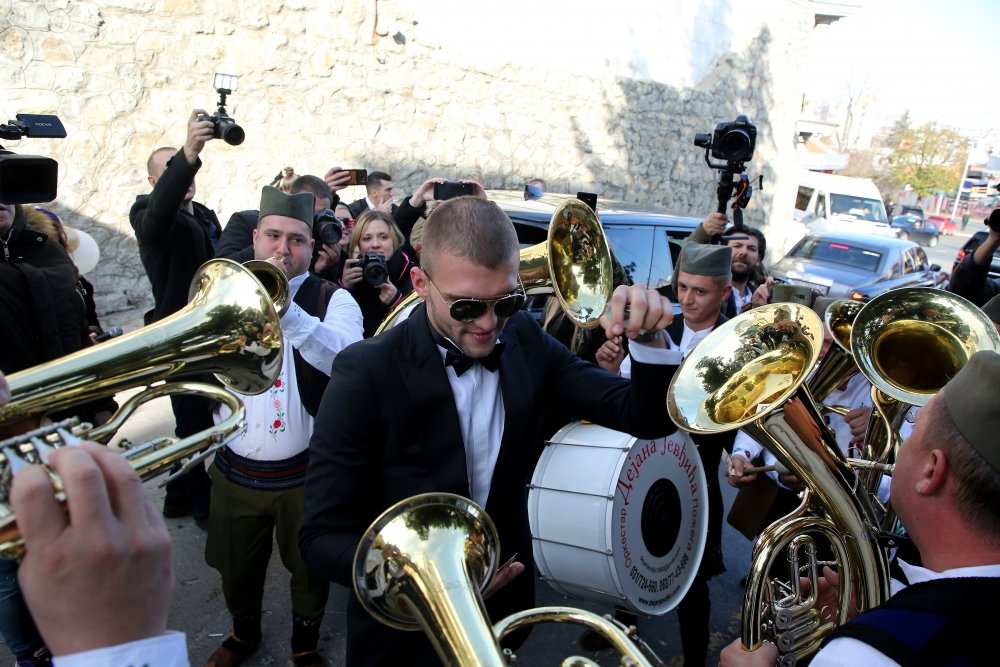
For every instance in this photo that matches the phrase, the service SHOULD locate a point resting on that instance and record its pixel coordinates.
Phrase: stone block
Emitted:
(16, 45)
(123, 29)
(69, 79)
(37, 74)
(54, 49)
(182, 7)
(28, 15)
(86, 13)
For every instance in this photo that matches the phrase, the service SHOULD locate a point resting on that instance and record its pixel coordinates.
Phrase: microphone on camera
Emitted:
(113, 332)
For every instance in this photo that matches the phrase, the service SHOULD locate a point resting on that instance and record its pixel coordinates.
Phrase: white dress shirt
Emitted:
(169, 650)
(278, 425)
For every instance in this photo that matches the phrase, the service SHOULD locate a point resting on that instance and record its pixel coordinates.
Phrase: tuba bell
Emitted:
(574, 263)
(750, 373)
(229, 328)
(421, 566)
(909, 342)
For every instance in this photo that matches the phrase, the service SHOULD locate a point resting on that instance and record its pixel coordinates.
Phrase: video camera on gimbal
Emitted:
(733, 142)
(29, 179)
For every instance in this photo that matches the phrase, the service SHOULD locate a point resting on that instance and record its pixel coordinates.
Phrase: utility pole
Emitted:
(958, 194)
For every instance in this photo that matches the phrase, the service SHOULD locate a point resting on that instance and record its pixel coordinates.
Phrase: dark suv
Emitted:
(645, 241)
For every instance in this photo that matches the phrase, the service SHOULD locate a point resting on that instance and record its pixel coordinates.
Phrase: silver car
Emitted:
(856, 266)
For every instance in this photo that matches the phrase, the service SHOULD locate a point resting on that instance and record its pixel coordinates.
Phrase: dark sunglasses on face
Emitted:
(468, 309)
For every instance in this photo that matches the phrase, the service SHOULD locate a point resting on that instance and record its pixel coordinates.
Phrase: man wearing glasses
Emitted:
(450, 401)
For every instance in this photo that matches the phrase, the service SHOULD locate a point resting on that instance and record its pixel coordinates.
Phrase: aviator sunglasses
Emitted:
(468, 309)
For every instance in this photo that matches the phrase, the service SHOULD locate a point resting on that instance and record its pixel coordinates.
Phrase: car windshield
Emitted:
(837, 252)
(859, 207)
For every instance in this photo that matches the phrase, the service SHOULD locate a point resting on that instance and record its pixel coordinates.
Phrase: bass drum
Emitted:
(618, 519)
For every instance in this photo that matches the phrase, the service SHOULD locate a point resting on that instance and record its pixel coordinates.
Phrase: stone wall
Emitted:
(360, 83)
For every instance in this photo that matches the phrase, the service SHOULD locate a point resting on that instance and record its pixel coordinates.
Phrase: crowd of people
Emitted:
(451, 399)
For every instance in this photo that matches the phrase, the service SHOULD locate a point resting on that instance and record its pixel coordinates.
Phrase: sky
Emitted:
(933, 57)
(936, 58)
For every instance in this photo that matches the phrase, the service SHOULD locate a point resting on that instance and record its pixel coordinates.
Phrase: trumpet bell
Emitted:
(745, 368)
(909, 342)
(579, 263)
(229, 328)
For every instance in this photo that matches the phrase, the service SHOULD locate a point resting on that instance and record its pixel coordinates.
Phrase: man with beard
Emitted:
(749, 246)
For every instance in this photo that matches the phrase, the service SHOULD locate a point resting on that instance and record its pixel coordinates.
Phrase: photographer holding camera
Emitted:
(970, 278)
(377, 272)
(176, 235)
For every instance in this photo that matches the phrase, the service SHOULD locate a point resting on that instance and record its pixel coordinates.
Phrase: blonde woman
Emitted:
(377, 272)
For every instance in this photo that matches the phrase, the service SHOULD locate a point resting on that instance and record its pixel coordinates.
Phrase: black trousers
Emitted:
(192, 414)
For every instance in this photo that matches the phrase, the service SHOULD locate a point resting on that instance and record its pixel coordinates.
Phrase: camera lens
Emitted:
(735, 145)
(229, 131)
(375, 270)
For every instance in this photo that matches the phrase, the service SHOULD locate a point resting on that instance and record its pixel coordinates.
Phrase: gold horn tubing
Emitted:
(229, 328)
(579, 261)
(574, 263)
(838, 365)
(750, 373)
(273, 280)
(633, 650)
(910, 341)
(422, 564)
(148, 460)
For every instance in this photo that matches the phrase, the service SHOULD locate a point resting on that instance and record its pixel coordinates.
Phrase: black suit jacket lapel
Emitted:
(436, 422)
(515, 387)
(676, 329)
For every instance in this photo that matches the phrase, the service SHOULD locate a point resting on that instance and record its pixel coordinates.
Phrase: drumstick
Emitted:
(750, 470)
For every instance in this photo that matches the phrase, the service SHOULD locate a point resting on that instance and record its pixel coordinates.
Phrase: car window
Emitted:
(633, 247)
(908, 264)
(895, 269)
(529, 235)
(821, 205)
(837, 252)
(802, 198)
(920, 259)
(861, 208)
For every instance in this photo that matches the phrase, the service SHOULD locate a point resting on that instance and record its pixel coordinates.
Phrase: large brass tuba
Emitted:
(422, 564)
(229, 328)
(574, 263)
(908, 343)
(750, 373)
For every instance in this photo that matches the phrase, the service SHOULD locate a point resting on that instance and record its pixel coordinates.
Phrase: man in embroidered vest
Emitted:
(944, 488)
(259, 476)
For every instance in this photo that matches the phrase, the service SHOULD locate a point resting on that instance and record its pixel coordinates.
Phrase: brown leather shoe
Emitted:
(232, 653)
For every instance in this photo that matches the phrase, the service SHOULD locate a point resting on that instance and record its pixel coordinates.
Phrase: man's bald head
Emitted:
(157, 161)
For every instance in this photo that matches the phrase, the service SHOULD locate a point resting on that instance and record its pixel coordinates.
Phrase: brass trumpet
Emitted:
(229, 328)
(574, 263)
(422, 565)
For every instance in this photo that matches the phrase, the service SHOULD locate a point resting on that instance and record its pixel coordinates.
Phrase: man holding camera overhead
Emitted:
(176, 235)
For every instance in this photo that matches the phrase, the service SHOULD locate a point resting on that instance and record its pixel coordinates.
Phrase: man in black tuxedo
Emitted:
(403, 414)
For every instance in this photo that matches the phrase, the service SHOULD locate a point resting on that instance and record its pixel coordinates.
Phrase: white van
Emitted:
(827, 202)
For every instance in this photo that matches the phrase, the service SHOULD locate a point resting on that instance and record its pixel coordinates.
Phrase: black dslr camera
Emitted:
(733, 142)
(327, 227)
(374, 269)
(29, 179)
(225, 125)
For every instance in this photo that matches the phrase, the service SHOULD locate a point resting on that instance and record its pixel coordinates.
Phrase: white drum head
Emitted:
(618, 519)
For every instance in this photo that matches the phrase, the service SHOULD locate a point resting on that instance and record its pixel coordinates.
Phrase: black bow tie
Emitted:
(461, 363)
